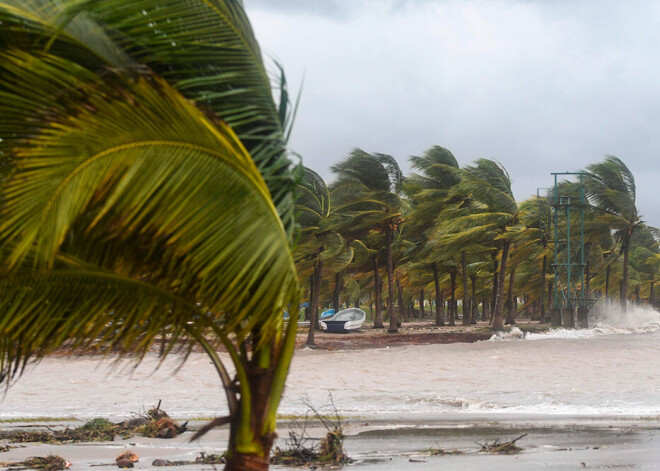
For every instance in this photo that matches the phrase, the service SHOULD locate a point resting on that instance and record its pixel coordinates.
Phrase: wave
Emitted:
(606, 320)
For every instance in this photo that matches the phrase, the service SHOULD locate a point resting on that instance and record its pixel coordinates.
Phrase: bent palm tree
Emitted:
(493, 216)
(429, 194)
(321, 249)
(611, 190)
(131, 210)
(368, 191)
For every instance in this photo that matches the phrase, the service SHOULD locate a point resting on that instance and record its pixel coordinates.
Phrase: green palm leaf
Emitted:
(160, 169)
(205, 48)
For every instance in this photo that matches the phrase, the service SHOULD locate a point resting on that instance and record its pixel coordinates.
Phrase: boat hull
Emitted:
(348, 320)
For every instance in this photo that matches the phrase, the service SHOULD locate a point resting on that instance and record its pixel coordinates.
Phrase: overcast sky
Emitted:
(540, 85)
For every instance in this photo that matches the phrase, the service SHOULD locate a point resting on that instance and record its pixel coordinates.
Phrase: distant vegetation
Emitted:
(408, 246)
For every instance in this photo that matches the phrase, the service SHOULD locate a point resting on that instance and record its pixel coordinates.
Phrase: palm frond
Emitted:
(162, 171)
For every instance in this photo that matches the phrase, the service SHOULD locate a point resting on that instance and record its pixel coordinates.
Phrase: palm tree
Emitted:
(611, 190)
(368, 191)
(492, 217)
(429, 194)
(320, 249)
(147, 194)
(536, 213)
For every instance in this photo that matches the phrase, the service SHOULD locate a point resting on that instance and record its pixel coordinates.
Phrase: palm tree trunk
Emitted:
(607, 284)
(313, 321)
(651, 301)
(624, 281)
(259, 390)
(510, 312)
(308, 313)
(390, 283)
(474, 311)
(499, 298)
(421, 302)
(402, 305)
(439, 314)
(495, 284)
(467, 316)
(485, 304)
(542, 296)
(378, 317)
(452, 312)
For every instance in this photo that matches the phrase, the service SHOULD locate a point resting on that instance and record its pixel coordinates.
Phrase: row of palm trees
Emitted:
(446, 231)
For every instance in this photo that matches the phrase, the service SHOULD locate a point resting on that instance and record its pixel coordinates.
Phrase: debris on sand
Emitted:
(154, 424)
(302, 449)
(128, 455)
(47, 463)
(202, 458)
(441, 452)
(211, 458)
(125, 463)
(502, 448)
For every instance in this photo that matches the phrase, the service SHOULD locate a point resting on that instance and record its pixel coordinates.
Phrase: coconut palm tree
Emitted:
(147, 194)
(536, 213)
(368, 192)
(493, 216)
(610, 187)
(321, 249)
(429, 193)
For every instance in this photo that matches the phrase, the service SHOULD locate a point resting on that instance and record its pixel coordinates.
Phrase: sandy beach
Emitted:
(373, 444)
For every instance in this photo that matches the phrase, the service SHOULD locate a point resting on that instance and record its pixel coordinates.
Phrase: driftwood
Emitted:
(502, 448)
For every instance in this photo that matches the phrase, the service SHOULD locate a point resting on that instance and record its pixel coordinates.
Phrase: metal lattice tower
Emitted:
(569, 258)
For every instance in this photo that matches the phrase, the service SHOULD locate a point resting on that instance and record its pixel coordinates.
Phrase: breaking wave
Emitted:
(606, 320)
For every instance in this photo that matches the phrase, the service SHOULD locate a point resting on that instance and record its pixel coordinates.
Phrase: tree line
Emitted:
(397, 244)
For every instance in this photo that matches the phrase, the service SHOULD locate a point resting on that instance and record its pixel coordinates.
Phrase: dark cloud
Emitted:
(542, 86)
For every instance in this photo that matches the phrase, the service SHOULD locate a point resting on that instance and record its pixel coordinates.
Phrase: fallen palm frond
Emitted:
(155, 423)
(502, 448)
(47, 463)
(442, 452)
(302, 450)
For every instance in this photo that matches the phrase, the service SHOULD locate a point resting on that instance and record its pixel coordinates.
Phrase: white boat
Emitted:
(348, 320)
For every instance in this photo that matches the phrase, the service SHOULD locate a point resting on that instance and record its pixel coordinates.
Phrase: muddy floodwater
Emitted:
(612, 369)
(398, 400)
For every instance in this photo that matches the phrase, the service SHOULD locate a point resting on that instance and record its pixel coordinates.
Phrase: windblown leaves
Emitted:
(204, 48)
(119, 164)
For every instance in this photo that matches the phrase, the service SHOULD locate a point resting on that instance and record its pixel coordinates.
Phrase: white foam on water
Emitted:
(597, 371)
(606, 320)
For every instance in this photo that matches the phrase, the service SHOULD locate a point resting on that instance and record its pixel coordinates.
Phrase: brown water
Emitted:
(610, 370)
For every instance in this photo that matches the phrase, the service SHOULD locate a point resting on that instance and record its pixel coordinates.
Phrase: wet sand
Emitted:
(411, 333)
(556, 444)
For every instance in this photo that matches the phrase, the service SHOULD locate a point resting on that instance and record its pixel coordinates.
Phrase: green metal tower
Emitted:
(568, 204)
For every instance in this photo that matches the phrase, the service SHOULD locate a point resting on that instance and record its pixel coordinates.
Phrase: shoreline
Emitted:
(381, 443)
(411, 333)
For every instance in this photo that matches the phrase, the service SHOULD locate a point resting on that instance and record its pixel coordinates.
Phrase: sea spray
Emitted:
(605, 319)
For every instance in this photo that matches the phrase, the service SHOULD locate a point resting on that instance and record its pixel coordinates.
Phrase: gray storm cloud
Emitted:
(541, 86)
